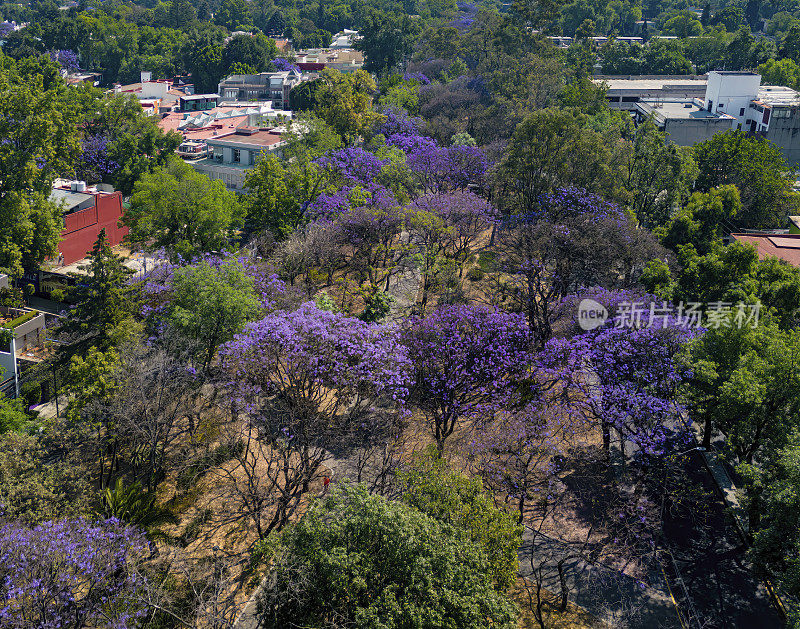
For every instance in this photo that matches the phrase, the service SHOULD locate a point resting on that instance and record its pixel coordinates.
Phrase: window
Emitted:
(741, 112)
(237, 156)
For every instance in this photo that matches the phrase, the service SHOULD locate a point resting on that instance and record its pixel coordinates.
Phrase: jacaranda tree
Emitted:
(69, 574)
(311, 380)
(467, 360)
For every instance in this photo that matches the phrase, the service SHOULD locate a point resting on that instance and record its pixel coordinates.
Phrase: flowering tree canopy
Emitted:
(353, 164)
(94, 163)
(518, 452)
(67, 59)
(572, 240)
(284, 65)
(629, 379)
(467, 360)
(323, 362)
(313, 380)
(69, 574)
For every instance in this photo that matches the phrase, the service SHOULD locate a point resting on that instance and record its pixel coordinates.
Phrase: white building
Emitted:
(731, 92)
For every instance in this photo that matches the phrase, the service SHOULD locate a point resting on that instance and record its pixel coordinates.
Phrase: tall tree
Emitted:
(102, 300)
(344, 101)
(553, 148)
(372, 562)
(39, 125)
(183, 211)
(211, 303)
(757, 168)
(467, 360)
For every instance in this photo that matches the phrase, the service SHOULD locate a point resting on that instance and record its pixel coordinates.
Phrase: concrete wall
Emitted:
(686, 132)
(785, 132)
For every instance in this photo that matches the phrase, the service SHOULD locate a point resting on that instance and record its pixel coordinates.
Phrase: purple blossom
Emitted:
(628, 378)
(398, 122)
(319, 362)
(354, 165)
(68, 59)
(284, 65)
(448, 168)
(419, 77)
(467, 359)
(330, 205)
(69, 574)
(94, 163)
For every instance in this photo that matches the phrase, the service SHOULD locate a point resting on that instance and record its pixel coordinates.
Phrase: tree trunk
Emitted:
(562, 579)
(707, 433)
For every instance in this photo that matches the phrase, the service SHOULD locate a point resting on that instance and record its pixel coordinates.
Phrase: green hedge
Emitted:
(20, 320)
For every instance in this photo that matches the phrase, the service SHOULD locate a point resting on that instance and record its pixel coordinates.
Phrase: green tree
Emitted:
(39, 127)
(780, 72)
(744, 383)
(757, 168)
(453, 498)
(12, 415)
(205, 64)
(102, 299)
(701, 222)
(255, 51)
(683, 25)
(37, 484)
(344, 101)
(731, 17)
(553, 148)
(183, 211)
(731, 274)
(135, 142)
(279, 194)
(657, 175)
(387, 39)
(662, 56)
(790, 46)
(234, 15)
(772, 501)
(210, 304)
(371, 563)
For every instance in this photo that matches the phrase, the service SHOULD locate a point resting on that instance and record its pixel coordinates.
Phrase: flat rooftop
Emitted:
(199, 96)
(777, 95)
(262, 137)
(68, 198)
(678, 110)
(653, 83)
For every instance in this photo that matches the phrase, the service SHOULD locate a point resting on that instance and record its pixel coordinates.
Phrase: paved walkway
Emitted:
(615, 599)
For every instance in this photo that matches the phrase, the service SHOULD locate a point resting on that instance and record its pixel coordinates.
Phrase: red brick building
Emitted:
(86, 212)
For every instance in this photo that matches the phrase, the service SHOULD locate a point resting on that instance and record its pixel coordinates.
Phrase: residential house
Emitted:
(785, 246)
(317, 59)
(86, 211)
(266, 86)
(233, 154)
